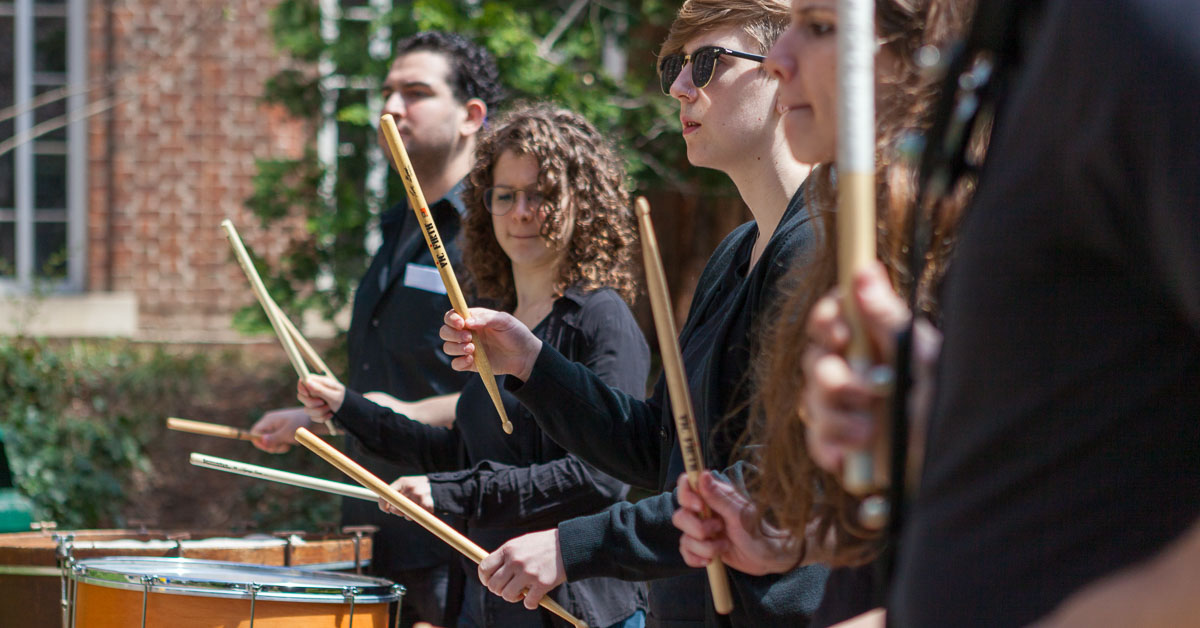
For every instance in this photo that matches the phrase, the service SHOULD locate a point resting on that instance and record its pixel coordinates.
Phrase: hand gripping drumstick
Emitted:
(417, 200)
(293, 342)
(208, 429)
(681, 397)
(423, 517)
(861, 474)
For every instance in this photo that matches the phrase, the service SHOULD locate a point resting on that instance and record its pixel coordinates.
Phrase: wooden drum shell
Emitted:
(104, 607)
(31, 583)
(186, 593)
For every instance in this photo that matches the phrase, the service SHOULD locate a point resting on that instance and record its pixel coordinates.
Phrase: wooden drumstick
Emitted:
(417, 200)
(423, 517)
(302, 344)
(282, 477)
(681, 397)
(273, 313)
(864, 472)
(208, 429)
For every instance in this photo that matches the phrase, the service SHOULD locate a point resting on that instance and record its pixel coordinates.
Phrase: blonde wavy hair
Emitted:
(789, 488)
(583, 181)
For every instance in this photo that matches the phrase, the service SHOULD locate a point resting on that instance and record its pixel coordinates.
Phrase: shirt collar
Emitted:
(453, 198)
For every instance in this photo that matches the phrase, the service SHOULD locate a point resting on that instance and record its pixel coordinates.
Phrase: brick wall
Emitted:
(185, 135)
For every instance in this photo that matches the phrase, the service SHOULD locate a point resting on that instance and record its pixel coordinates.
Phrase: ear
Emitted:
(477, 112)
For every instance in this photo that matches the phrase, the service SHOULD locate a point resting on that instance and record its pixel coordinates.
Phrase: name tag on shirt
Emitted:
(423, 277)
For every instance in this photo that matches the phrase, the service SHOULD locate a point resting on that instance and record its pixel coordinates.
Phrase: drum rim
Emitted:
(367, 590)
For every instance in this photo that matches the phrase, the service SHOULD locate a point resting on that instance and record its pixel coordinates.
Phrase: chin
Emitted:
(700, 157)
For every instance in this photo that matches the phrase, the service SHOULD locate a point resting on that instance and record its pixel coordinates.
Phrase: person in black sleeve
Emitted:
(549, 236)
(1061, 482)
(730, 121)
(794, 510)
(440, 89)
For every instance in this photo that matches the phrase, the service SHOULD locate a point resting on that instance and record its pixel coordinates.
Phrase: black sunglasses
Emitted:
(704, 61)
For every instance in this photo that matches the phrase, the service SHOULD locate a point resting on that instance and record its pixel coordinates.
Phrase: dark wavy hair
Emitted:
(473, 71)
(581, 178)
(790, 489)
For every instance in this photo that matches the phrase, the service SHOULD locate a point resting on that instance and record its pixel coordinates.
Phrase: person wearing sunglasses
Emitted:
(549, 238)
(730, 122)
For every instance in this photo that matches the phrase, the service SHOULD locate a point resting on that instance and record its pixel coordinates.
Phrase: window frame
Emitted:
(25, 83)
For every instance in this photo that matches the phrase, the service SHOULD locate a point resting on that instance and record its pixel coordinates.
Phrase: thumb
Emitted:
(723, 498)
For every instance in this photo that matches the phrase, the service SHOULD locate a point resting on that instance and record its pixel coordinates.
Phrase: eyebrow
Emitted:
(821, 9)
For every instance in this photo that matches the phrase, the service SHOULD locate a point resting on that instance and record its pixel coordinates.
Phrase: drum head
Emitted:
(220, 579)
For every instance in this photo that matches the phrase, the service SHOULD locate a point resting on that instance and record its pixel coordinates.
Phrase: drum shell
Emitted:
(103, 607)
(31, 587)
(108, 604)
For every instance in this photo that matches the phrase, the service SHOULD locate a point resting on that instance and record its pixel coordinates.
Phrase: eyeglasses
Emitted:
(501, 199)
(704, 61)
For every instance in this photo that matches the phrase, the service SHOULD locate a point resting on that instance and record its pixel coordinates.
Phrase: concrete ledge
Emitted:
(95, 314)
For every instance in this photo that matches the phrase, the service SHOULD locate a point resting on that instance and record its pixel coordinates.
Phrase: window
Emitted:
(43, 154)
(344, 148)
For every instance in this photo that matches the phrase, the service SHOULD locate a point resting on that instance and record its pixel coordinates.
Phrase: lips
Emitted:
(689, 126)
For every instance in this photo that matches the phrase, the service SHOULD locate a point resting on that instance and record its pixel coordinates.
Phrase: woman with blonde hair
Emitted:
(796, 510)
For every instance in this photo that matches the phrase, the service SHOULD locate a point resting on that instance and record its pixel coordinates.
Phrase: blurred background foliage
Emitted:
(83, 424)
(597, 57)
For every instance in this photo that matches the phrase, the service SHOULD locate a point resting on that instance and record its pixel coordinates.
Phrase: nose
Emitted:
(682, 87)
(780, 63)
(522, 211)
(394, 104)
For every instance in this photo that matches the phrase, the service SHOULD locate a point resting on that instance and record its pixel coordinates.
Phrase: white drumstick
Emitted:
(283, 477)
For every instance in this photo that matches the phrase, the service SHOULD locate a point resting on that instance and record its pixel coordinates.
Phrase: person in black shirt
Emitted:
(730, 122)
(439, 89)
(1061, 480)
(790, 498)
(549, 237)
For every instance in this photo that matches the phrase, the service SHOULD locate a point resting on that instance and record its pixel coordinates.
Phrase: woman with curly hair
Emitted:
(549, 238)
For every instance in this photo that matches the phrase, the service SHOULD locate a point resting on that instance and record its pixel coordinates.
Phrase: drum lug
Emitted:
(253, 588)
(287, 536)
(179, 538)
(399, 591)
(146, 582)
(76, 571)
(64, 553)
(358, 532)
(350, 593)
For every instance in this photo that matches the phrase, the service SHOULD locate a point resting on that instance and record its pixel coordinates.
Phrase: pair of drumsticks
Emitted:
(290, 338)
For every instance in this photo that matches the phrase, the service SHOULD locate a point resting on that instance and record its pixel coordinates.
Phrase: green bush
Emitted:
(83, 422)
(73, 442)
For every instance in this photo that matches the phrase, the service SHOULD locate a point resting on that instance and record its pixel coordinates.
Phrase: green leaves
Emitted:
(74, 439)
(552, 50)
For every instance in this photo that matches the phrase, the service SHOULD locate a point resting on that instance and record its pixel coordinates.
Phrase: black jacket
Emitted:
(635, 440)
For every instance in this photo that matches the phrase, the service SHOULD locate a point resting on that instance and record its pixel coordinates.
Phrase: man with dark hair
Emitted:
(440, 89)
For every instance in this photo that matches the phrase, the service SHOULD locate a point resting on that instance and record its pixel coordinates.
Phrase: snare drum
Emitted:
(34, 566)
(124, 592)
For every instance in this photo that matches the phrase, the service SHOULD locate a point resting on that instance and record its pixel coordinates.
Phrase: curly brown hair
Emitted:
(790, 489)
(578, 168)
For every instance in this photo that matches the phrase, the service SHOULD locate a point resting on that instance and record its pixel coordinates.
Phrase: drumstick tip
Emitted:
(643, 206)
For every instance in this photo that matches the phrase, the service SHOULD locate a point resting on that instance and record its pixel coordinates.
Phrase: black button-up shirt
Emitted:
(524, 481)
(394, 347)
